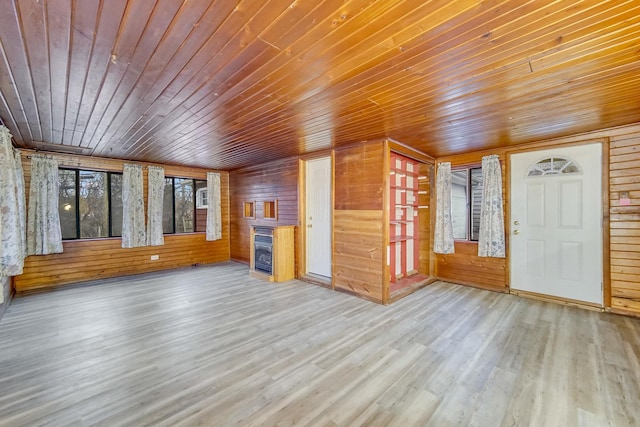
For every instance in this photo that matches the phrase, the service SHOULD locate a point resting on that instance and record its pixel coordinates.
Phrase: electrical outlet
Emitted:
(155, 257)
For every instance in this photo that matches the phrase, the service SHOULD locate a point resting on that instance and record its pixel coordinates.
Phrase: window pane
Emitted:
(94, 214)
(201, 205)
(116, 204)
(183, 191)
(459, 204)
(476, 201)
(67, 204)
(167, 207)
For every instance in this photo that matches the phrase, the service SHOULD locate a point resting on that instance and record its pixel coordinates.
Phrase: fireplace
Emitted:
(272, 253)
(263, 249)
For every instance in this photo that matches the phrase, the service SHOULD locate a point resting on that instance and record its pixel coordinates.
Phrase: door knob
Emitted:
(516, 231)
(516, 222)
(309, 226)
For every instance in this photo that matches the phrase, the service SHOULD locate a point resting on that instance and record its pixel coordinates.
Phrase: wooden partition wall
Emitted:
(89, 259)
(360, 221)
(359, 250)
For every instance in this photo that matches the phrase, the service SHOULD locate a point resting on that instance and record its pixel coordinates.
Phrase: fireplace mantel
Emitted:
(279, 264)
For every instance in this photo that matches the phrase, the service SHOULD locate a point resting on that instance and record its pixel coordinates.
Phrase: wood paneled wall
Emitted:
(424, 217)
(359, 178)
(622, 242)
(359, 252)
(465, 266)
(358, 220)
(269, 181)
(100, 258)
(624, 176)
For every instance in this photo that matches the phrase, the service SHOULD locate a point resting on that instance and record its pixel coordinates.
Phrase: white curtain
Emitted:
(155, 203)
(443, 235)
(44, 235)
(133, 230)
(12, 214)
(214, 214)
(491, 238)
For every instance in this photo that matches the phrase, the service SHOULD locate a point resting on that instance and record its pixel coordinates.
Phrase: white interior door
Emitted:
(556, 222)
(318, 211)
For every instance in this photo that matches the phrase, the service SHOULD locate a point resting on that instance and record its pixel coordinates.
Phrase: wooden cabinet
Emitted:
(272, 253)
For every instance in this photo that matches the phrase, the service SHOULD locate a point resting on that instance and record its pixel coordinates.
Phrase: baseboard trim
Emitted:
(558, 300)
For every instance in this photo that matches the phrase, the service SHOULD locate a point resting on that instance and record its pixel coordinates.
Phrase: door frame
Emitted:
(302, 214)
(606, 248)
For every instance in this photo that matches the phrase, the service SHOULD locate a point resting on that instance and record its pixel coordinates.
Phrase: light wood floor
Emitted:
(213, 346)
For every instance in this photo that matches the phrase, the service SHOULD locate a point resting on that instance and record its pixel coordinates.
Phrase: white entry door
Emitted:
(556, 223)
(318, 211)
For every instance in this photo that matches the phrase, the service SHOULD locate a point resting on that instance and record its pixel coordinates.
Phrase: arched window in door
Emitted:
(555, 165)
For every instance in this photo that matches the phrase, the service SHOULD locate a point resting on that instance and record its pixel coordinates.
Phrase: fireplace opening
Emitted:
(263, 250)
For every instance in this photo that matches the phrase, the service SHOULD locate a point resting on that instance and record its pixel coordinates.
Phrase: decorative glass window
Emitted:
(554, 165)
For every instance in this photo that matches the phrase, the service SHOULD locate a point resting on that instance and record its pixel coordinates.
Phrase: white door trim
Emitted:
(306, 221)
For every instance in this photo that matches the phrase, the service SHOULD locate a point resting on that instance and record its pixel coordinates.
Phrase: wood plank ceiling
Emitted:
(224, 84)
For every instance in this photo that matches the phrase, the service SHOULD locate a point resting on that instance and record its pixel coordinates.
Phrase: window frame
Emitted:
(199, 198)
(77, 203)
(109, 175)
(195, 203)
(469, 200)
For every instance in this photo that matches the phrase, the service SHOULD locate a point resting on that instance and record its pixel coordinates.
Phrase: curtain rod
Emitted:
(78, 165)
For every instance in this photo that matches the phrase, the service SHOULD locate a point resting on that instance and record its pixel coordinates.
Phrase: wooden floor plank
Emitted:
(213, 346)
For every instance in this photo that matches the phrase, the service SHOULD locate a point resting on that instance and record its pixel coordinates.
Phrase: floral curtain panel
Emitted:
(443, 235)
(133, 229)
(491, 237)
(21, 200)
(155, 199)
(214, 215)
(44, 235)
(12, 214)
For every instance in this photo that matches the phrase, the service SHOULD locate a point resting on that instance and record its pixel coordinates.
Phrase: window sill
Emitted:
(100, 239)
(91, 239)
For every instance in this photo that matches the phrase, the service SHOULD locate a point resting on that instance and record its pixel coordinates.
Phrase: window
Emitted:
(167, 207)
(554, 166)
(67, 204)
(115, 185)
(183, 205)
(466, 198)
(90, 204)
(182, 210)
(202, 199)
